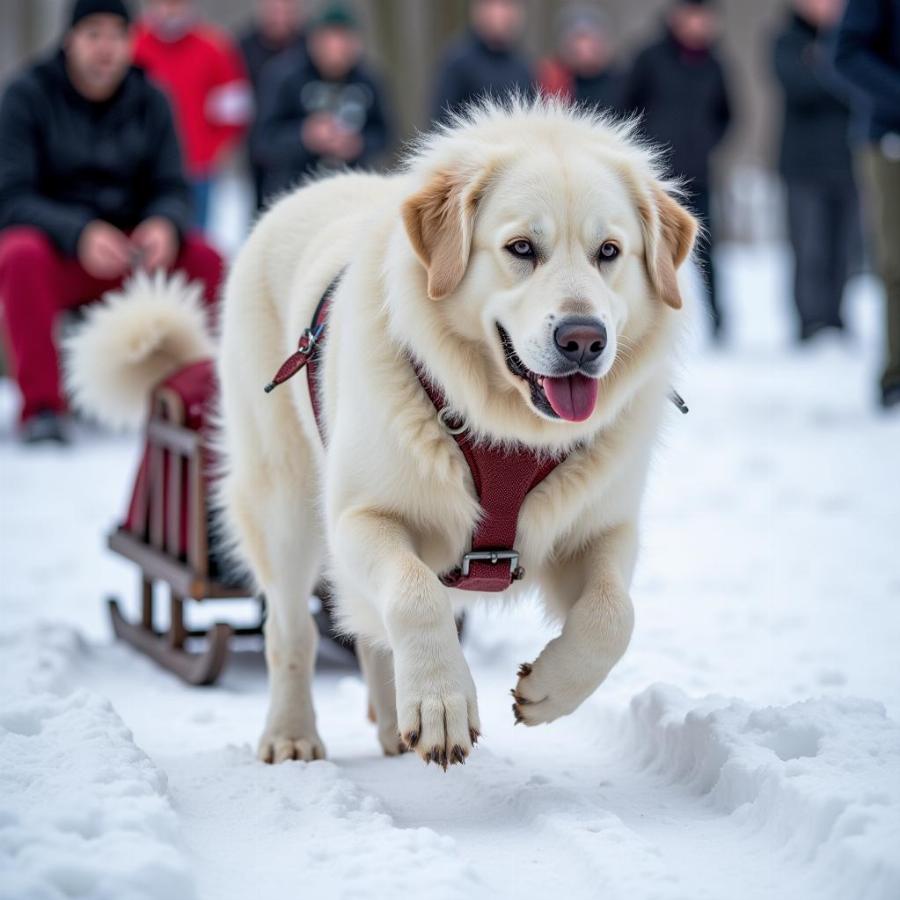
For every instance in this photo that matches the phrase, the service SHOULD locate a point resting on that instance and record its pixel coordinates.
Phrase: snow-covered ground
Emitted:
(746, 747)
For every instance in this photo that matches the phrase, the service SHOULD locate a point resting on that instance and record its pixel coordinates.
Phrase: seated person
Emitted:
(320, 110)
(91, 188)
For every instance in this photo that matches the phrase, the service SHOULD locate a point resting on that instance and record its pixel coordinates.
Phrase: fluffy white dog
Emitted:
(525, 260)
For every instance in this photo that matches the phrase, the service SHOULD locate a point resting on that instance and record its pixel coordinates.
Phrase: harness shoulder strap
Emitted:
(306, 356)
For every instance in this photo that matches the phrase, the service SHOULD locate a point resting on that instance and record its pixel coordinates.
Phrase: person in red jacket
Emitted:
(203, 74)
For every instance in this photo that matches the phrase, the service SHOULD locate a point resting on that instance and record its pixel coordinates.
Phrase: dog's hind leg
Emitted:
(377, 666)
(291, 641)
(279, 535)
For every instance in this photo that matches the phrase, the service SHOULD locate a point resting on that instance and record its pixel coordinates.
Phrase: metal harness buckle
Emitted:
(493, 557)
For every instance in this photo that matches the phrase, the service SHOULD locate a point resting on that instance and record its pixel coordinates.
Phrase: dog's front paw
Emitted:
(551, 687)
(438, 717)
(279, 745)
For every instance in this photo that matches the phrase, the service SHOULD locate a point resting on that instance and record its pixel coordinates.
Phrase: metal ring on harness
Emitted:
(445, 416)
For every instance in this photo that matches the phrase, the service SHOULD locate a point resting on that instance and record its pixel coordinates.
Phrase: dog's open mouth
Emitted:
(571, 397)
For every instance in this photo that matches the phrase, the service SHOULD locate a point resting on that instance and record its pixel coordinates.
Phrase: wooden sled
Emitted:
(165, 534)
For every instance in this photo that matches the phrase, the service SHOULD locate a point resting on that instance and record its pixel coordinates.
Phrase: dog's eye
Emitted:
(608, 252)
(521, 249)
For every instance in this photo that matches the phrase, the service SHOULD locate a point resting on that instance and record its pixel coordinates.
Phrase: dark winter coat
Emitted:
(258, 53)
(815, 134)
(258, 56)
(292, 90)
(472, 69)
(867, 54)
(684, 101)
(65, 160)
(604, 90)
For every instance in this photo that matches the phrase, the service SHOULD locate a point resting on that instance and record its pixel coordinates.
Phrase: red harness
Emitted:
(502, 477)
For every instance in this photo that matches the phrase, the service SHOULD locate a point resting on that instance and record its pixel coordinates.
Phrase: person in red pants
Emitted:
(91, 188)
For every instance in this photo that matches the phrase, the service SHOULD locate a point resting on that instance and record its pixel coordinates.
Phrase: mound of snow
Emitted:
(83, 812)
(819, 779)
(308, 829)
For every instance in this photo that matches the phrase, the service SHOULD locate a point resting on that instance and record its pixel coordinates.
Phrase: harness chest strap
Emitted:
(503, 479)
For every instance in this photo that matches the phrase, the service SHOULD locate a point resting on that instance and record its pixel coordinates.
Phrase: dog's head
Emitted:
(551, 242)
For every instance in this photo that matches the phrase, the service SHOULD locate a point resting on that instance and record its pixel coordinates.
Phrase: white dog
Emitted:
(524, 266)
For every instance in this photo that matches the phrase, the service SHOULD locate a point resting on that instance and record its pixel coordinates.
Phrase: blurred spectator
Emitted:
(868, 55)
(320, 110)
(679, 86)
(202, 73)
(277, 28)
(91, 185)
(486, 59)
(817, 165)
(583, 71)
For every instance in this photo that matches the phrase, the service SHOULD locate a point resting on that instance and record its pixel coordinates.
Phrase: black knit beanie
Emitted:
(81, 9)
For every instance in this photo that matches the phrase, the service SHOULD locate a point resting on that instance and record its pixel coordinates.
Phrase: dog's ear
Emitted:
(439, 221)
(669, 233)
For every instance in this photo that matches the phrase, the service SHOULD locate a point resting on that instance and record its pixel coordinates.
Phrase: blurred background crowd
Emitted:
(121, 123)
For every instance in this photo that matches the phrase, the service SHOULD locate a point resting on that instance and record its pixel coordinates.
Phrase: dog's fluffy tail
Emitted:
(130, 341)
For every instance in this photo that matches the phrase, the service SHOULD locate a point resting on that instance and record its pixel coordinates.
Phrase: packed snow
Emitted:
(746, 747)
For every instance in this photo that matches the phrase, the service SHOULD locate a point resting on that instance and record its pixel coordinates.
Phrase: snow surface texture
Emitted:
(746, 747)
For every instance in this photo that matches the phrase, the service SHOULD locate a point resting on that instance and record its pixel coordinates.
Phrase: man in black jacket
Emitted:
(816, 164)
(319, 111)
(276, 29)
(91, 187)
(485, 61)
(679, 86)
(867, 54)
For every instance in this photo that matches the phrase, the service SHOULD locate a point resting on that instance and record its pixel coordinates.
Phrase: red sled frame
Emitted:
(166, 535)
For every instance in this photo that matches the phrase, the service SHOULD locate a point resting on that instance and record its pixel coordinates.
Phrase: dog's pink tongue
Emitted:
(573, 398)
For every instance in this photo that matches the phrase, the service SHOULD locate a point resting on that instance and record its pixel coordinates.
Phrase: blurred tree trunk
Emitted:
(410, 37)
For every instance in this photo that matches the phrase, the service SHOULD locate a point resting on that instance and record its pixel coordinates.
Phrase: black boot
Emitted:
(890, 396)
(45, 427)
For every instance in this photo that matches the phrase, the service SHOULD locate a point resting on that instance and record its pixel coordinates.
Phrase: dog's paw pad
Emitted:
(278, 749)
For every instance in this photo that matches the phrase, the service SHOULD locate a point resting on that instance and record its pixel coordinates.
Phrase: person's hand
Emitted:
(318, 133)
(157, 241)
(347, 145)
(103, 250)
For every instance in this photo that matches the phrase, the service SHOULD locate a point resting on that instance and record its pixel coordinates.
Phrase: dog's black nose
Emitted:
(580, 339)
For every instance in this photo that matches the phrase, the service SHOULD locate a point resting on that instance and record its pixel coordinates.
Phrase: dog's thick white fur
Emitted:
(428, 273)
(434, 260)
